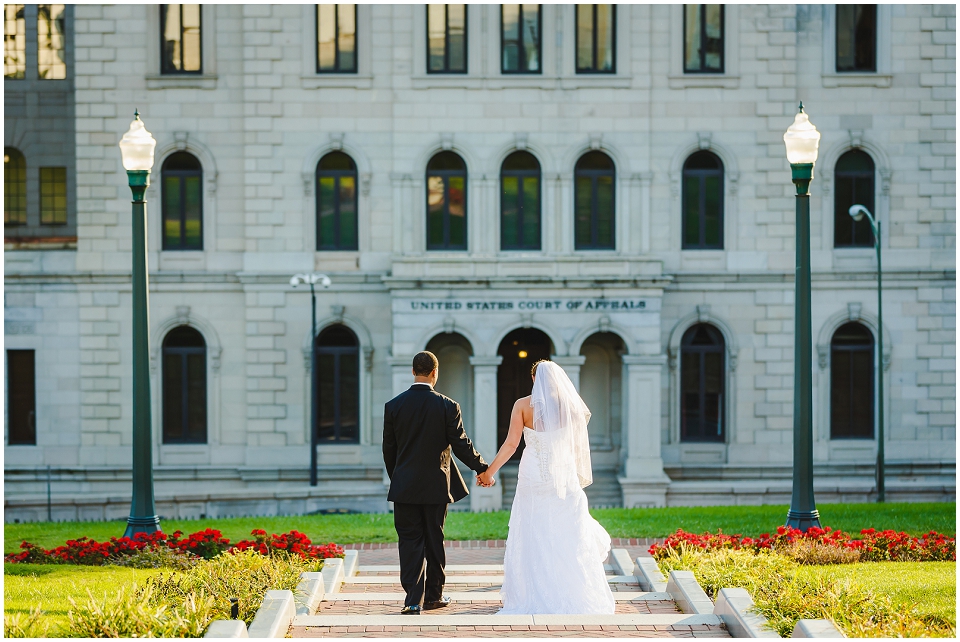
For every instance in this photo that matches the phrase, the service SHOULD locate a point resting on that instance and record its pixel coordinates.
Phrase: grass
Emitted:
(633, 522)
(930, 586)
(27, 586)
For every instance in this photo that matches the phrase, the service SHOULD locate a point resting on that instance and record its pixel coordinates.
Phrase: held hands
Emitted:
(485, 479)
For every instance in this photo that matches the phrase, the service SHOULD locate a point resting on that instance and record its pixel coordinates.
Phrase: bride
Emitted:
(555, 550)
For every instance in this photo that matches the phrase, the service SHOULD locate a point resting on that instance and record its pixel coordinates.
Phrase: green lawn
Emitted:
(27, 586)
(635, 522)
(931, 586)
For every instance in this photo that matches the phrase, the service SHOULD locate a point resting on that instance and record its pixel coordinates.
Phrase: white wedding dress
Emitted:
(555, 551)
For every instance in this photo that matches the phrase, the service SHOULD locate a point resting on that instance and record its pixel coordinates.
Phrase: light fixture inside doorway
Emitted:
(522, 354)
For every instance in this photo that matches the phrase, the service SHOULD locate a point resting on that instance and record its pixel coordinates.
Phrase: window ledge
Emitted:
(428, 81)
(165, 81)
(857, 80)
(596, 81)
(710, 81)
(40, 243)
(347, 81)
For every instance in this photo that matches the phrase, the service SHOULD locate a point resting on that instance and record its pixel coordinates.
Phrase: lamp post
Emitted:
(858, 212)
(802, 141)
(136, 149)
(311, 280)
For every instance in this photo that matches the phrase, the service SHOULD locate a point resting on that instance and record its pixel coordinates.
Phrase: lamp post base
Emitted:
(136, 525)
(803, 519)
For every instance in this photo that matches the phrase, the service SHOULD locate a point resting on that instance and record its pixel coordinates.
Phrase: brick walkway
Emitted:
(371, 610)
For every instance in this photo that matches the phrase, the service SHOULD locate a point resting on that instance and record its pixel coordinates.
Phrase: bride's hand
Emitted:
(485, 479)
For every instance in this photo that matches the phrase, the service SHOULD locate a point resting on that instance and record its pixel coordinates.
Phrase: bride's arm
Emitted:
(510, 443)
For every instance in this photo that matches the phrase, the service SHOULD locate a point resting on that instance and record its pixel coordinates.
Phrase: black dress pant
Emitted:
(420, 532)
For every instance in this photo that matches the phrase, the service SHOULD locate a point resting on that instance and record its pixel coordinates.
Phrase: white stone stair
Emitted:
(367, 603)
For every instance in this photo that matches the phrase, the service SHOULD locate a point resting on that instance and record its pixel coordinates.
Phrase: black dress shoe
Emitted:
(437, 604)
(413, 609)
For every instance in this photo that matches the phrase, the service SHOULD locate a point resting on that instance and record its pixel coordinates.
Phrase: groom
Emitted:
(420, 427)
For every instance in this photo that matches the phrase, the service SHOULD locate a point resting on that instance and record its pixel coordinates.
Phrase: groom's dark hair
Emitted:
(533, 369)
(425, 363)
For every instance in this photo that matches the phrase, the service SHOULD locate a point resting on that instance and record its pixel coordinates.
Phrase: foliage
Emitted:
(148, 549)
(184, 604)
(814, 546)
(171, 558)
(25, 625)
(914, 519)
(784, 593)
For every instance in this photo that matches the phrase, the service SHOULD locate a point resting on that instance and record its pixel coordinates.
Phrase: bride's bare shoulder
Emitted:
(523, 402)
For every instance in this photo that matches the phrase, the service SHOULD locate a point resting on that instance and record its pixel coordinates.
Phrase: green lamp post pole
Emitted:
(324, 280)
(858, 212)
(802, 141)
(136, 148)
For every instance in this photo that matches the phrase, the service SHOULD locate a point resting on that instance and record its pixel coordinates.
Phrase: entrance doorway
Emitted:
(520, 350)
(453, 351)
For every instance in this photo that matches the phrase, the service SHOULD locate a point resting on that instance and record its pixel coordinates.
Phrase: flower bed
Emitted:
(205, 544)
(822, 545)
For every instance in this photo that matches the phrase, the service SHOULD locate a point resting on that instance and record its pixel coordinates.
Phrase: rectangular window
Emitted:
(51, 51)
(14, 42)
(447, 38)
(53, 195)
(520, 38)
(856, 37)
(336, 38)
(21, 398)
(180, 39)
(14, 187)
(703, 38)
(596, 38)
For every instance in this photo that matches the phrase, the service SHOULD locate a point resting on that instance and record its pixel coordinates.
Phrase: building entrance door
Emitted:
(520, 350)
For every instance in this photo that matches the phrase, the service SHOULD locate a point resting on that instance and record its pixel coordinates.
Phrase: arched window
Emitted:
(338, 380)
(336, 202)
(854, 179)
(701, 384)
(14, 187)
(184, 387)
(520, 202)
(182, 197)
(703, 202)
(446, 202)
(594, 202)
(851, 383)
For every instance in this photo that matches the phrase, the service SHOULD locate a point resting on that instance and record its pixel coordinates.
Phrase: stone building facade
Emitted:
(624, 317)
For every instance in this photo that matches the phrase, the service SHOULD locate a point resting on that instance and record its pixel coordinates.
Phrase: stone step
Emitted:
(464, 579)
(635, 619)
(449, 568)
(487, 596)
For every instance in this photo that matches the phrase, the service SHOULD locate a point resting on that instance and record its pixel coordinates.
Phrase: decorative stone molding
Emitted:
(336, 141)
(853, 314)
(596, 141)
(520, 141)
(446, 141)
(336, 312)
(449, 324)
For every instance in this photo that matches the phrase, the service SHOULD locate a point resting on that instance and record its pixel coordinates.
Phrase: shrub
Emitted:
(783, 596)
(25, 625)
(294, 543)
(143, 614)
(156, 558)
(812, 552)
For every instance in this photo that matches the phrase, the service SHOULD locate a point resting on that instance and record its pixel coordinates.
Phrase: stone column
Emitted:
(571, 365)
(485, 429)
(643, 481)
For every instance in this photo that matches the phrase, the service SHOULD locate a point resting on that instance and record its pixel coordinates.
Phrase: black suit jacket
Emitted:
(420, 428)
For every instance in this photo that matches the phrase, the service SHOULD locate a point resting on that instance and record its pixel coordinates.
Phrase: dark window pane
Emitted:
(446, 161)
(583, 210)
(338, 380)
(703, 38)
(14, 186)
(184, 391)
(596, 161)
(21, 398)
(701, 384)
(851, 383)
(456, 192)
(436, 207)
(594, 207)
(510, 34)
(702, 202)
(327, 211)
(180, 38)
(604, 214)
(856, 37)
(348, 213)
(509, 213)
(854, 180)
(446, 202)
(53, 195)
(531, 213)
(337, 203)
(182, 202)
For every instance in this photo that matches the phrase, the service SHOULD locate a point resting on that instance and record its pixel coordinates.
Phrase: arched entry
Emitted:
(520, 350)
(601, 387)
(453, 351)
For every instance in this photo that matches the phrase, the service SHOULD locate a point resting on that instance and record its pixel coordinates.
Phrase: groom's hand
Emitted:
(485, 479)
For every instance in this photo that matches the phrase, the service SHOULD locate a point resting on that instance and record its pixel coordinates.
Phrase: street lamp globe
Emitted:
(802, 140)
(136, 147)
